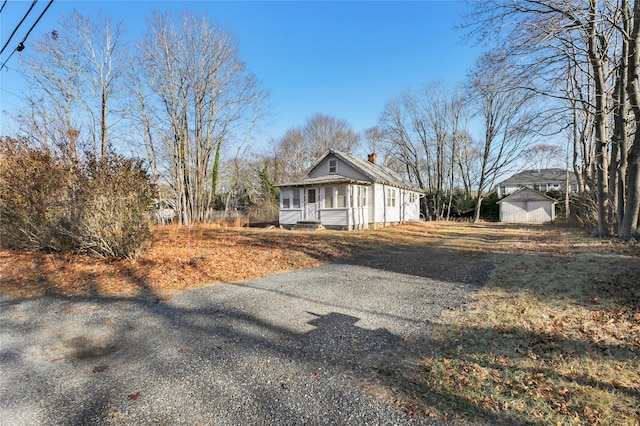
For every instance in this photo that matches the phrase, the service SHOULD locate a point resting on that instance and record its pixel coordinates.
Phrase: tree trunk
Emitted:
(597, 65)
(632, 206)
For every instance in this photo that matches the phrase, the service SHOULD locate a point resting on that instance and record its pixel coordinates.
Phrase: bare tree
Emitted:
(105, 55)
(50, 119)
(507, 117)
(208, 98)
(301, 146)
(426, 131)
(75, 75)
(555, 41)
(543, 156)
(375, 139)
(629, 223)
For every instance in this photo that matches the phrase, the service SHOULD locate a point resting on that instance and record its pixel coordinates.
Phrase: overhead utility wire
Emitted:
(16, 28)
(20, 46)
(3, 5)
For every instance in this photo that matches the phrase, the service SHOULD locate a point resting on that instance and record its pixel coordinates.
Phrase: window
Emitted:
(359, 196)
(328, 197)
(342, 196)
(286, 199)
(412, 197)
(333, 166)
(311, 196)
(296, 198)
(391, 197)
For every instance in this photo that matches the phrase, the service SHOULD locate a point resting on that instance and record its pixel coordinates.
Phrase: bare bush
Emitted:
(100, 207)
(34, 198)
(115, 201)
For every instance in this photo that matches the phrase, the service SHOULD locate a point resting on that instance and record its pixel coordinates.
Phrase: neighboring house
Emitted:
(541, 180)
(527, 205)
(341, 191)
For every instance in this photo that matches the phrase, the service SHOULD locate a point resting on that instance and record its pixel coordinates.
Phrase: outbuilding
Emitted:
(527, 205)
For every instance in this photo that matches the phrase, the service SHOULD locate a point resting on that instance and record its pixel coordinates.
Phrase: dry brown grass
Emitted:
(553, 339)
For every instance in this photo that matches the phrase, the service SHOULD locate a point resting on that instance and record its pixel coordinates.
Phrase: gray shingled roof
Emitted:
(539, 176)
(323, 180)
(375, 172)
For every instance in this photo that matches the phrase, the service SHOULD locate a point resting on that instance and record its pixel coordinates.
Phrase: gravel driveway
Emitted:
(305, 347)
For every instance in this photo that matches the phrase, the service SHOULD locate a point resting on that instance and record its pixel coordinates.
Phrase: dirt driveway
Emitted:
(318, 346)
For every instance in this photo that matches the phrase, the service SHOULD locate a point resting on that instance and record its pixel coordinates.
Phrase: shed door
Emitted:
(311, 205)
(539, 211)
(514, 211)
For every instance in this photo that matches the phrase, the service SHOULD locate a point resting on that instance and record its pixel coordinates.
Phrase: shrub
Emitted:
(489, 209)
(99, 207)
(34, 199)
(113, 218)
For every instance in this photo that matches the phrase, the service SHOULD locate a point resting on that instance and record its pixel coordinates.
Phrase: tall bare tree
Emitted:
(75, 75)
(106, 57)
(301, 146)
(556, 41)
(208, 98)
(426, 131)
(508, 119)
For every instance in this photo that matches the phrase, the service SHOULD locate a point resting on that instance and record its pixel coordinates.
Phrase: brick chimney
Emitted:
(372, 158)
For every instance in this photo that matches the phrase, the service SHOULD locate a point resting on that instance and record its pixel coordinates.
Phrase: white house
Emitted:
(540, 179)
(527, 205)
(341, 191)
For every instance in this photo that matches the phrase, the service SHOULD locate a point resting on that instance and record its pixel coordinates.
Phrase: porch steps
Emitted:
(308, 225)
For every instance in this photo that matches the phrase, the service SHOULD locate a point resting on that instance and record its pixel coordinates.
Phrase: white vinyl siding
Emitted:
(334, 217)
(290, 217)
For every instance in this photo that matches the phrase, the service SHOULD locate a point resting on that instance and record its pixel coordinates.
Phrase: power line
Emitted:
(16, 28)
(20, 46)
(3, 5)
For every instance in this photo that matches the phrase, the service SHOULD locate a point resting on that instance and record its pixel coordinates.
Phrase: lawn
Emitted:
(553, 339)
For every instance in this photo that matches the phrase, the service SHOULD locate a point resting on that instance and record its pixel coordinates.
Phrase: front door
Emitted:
(311, 206)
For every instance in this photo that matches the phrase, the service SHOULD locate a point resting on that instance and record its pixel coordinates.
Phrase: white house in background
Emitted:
(341, 191)
(527, 205)
(541, 180)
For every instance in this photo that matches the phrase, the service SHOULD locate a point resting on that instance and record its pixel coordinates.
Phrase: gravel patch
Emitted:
(298, 348)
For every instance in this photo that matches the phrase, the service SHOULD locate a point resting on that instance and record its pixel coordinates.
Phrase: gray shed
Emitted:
(527, 205)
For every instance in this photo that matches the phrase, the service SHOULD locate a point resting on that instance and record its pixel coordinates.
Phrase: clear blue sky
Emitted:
(343, 59)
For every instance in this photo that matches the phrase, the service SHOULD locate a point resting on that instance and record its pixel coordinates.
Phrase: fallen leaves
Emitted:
(133, 396)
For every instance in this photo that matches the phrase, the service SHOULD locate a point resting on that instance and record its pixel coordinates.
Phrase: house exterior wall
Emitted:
(542, 180)
(411, 206)
(290, 217)
(385, 209)
(504, 190)
(343, 169)
(334, 217)
(347, 206)
(340, 206)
